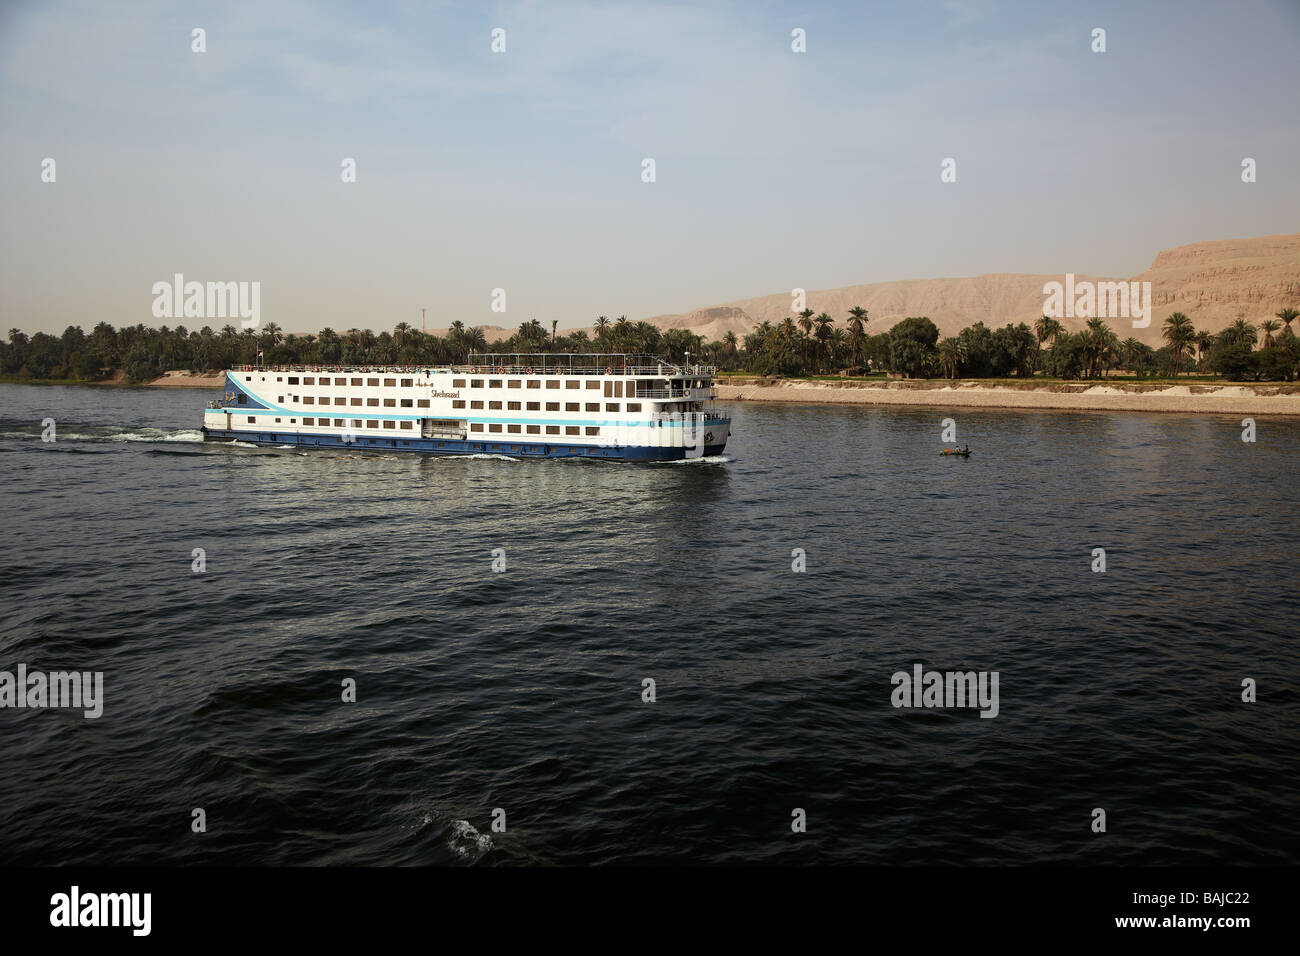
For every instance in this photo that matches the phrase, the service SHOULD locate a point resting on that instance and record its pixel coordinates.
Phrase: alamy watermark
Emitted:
(36, 689)
(948, 689)
(1100, 300)
(213, 300)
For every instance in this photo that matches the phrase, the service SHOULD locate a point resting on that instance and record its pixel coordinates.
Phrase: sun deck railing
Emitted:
(664, 370)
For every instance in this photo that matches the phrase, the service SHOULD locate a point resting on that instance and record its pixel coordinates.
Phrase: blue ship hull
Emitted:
(447, 446)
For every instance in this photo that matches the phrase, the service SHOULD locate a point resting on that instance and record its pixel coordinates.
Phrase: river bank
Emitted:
(1232, 399)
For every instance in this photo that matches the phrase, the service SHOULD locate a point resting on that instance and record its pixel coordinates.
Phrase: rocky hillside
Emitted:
(1212, 282)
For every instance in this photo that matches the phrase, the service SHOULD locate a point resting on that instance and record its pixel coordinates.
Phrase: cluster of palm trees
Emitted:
(798, 345)
(810, 341)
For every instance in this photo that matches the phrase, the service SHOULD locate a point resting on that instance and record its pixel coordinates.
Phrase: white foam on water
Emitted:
(466, 842)
(148, 434)
(709, 460)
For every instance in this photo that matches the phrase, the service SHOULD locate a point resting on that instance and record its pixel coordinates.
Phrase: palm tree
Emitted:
(1179, 333)
(806, 323)
(1288, 316)
(858, 318)
(1269, 326)
(1242, 332)
(824, 330)
(729, 344)
(1204, 342)
(952, 353)
(1047, 328)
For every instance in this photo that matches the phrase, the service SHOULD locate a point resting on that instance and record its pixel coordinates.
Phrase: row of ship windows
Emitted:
(474, 426)
(615, 387)
(460, 403)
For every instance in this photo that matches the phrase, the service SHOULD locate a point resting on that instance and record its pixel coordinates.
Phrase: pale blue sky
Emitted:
(522, 170)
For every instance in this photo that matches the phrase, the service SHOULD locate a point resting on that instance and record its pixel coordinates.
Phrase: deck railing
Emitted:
(663, 371)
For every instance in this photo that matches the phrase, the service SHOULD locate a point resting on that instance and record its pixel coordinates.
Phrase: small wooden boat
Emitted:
(962, 452)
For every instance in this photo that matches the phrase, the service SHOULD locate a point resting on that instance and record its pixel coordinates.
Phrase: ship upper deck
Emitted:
(538, 363)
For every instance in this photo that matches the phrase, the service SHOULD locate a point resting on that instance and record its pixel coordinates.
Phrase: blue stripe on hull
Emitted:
(443, 446)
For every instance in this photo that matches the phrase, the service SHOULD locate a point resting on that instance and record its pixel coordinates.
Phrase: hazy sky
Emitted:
(522, 170)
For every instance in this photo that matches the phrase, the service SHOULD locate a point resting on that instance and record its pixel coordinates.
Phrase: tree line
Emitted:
(807, 344)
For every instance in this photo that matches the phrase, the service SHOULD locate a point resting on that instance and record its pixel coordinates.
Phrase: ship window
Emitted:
(372, 402)
(243, 399)
(534, 406)
(308, 400)
(634, 406)
(356, 423)
(280, 398)
(476, 383)
(611, 406)
(552, 406)
(390, 424)
(494, 427)
(407, 383)
(390, 403)
(609, 389)
(279, 379)
(372, 381)
(618, 389)
(390, 383)
(496, 406)
(552, 429)
(340, 401)
(570, 406)
(593, 383)
(251, 419)
(532, 429)
(356, 381)
(458, 403)
(593, 430)
(408, 403)
(478, 404)
(408, 426)
(513, 406)
(552, 383)
(338, 422)
(277, 421)
(572, 430)
(475, 427)
(372, 424)
(593, 406)
(513, 429)
(422, 403)
(512, 383)
(494, 383)
(293, 380)
(573, 383)
(309, 421)
(248, 378)
(457, 383)
(534, 383)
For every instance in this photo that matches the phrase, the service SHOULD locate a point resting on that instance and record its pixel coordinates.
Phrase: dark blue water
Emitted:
(522, 690)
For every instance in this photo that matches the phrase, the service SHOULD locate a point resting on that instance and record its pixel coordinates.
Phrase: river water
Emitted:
(520, 694)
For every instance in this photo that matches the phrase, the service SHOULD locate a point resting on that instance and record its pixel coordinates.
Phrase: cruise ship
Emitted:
(619, 407)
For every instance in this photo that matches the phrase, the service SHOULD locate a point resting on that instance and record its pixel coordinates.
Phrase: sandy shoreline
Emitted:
(1195, 399)
(188, 380)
